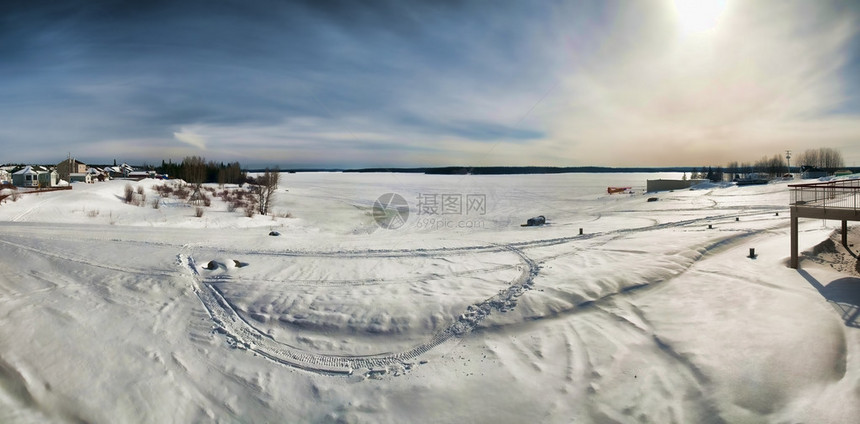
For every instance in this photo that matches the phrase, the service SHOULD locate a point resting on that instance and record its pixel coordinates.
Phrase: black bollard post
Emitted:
(737, 218)
(752, 253)
(580, 231)
(710, 227)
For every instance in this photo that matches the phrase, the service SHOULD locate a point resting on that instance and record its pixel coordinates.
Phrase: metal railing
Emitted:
(838, 194)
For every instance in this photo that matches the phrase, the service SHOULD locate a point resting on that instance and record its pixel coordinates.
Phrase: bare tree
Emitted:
(194, 170)
(265, 189)
(822, 158)
(733, 169)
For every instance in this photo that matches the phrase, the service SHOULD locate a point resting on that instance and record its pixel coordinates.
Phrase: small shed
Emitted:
(49, 178)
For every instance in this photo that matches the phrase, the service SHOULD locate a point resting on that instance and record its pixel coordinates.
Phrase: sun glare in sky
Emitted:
(339, 85)
(698, 16)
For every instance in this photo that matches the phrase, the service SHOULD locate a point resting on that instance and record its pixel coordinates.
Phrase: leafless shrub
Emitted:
(198, 212)
(156, 203)
(207, 201)
(182, 193)
(129, 193)
(93, 213)
(265, 188)
(139, 189)
(163, 190)
(250, 211)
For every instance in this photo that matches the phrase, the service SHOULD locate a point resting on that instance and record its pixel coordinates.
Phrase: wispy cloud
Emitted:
(403, 84)
(190, 138)
(760, 83)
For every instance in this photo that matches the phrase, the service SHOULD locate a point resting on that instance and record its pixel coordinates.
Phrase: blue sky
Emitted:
(392, 83)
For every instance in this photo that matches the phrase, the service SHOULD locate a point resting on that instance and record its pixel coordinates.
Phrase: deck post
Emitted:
(794, 262)
(845, 233)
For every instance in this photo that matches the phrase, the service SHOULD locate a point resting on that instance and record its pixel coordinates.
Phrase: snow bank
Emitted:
(111, 312)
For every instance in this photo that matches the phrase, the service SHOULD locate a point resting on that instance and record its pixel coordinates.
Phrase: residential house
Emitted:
(26, 177)
(97, 174)
(35, 177)
(70, 166)
(113, 172)
(126, 169)
(139, 175)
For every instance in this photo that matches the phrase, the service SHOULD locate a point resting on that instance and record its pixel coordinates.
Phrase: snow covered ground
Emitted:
(111, 312)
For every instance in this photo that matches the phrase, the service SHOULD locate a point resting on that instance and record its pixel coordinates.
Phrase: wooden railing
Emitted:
(838, 194)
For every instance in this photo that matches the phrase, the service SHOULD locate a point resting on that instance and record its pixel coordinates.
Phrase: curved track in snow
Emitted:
(241, 334)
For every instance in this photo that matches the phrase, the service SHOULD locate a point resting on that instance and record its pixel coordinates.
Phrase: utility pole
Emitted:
(788, 159)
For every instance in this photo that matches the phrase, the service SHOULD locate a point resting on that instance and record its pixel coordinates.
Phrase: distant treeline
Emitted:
(195, 170)
(823, 159)
(513, 170)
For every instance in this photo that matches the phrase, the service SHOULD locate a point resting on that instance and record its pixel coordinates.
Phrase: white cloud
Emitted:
(191, 138)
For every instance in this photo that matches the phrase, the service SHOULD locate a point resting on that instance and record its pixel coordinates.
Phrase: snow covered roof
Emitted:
(27, 170)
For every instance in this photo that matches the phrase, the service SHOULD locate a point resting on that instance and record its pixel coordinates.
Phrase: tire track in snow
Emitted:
(31, 209)
(220, 279)
(704, 251)
(85, 261)
(241, 334)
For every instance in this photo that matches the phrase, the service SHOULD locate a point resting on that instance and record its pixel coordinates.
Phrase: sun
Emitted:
(698, 16)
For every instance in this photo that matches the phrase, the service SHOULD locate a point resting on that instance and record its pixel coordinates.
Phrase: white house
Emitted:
(126, 169)
(97, 174)
(83, 177)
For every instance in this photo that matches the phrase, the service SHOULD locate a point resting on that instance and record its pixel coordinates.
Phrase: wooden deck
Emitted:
(838, 200)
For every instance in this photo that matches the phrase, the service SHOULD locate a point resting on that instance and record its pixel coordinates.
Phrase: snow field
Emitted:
(649, 316)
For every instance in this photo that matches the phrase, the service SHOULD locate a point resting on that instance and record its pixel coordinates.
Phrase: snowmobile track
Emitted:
(242, 335)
